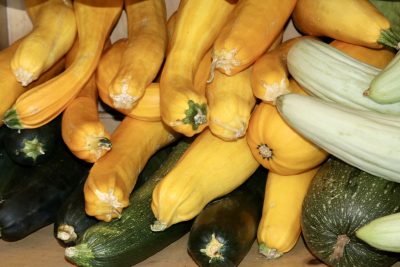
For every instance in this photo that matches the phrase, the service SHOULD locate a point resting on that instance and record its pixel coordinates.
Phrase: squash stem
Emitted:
(66, 233)
(105, 143)
(390, 39)
(269, 253)
(213, 249)
(11, 119)
(81, 255)
(196, 114)
(158, 226)
(341, 242)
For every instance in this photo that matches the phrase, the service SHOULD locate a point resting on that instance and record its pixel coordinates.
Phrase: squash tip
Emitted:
(158, 226)
(269, 253)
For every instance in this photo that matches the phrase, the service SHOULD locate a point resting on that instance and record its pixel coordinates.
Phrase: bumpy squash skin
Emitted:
(276, 146)
(32, 147)
(356, 21)
(144, 54)
(340, 199)
(223, 233)
(183, 107)
(129, 240)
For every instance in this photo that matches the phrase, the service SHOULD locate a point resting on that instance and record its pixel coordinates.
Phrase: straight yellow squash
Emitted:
(54, 31)
(280, 226)
(197, 25)
(113, 177)
(249, 32)
(34, 108)
(209, 168)
(144, 53)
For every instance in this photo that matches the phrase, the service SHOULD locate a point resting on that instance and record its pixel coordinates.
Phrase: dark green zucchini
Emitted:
(342, 198)
(129, 240)
(31, 146)
(72, 220)
(223, 233)
(38, 192)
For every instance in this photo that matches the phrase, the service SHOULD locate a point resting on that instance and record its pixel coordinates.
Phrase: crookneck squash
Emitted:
(340, 199)
(144, 53)
(182, 107)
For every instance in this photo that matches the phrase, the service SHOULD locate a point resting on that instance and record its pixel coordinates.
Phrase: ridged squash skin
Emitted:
(269, 77)
(113, 177)
(11, 89)
(278, 147)
(280, 227)
(144, 53)
(182, 107)
(147, 107)
(249, 32)
(230, 103)
(340, 199)
(54, 31)
(81, 128)
(210, 168)
(95, 20)
(353, 21)
(378, 58)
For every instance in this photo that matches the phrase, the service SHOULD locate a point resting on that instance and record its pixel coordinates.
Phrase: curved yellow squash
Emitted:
(34, 108)
(32, 7)
(280, 227)
(144, 53)
(54, 31)
(278, 147)
(113, 177)
(197, 25)
(209, 168)
(249, 32)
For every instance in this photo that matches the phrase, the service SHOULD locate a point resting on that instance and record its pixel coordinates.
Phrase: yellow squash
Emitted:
(34, 108)
(144, 53)
(209, 168)
(81, 129)
(113, 177)
(230, 102)
(147, 107)
(32, 7)
(278, 147)
(249, 32)
(11, 89)
(375, 57)
(54, 31)
(269, 78)
(353, 21)
(279, 227)
(197, 25)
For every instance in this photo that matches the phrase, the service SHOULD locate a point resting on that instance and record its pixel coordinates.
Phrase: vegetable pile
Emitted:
(227, 131)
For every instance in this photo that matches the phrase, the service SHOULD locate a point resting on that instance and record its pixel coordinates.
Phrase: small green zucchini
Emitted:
(223, 233)
(129, 240)
(382, 233)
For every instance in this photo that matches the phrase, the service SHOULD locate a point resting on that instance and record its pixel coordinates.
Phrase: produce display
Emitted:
(227, 130)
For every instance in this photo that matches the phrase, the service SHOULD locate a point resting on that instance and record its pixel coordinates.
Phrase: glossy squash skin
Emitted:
(144, 53)
(182, 107)
(82, 131)
(280, 227)
(224, 231)
(355, 21)
(278, 147)
(249, 32)
(54, 31)
(188, 187)
(340, 199)
(113, 177)
(32, 7)
(147, 107)
(95, 20)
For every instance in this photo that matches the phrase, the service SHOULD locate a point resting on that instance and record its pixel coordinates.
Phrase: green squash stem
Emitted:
(33, 148)
(389, 38)
(196, 114)
(269, 253)
(105, 143)
(11, 119)
(80, 255)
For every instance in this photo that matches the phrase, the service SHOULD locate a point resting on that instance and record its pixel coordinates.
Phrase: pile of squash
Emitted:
(232, 126)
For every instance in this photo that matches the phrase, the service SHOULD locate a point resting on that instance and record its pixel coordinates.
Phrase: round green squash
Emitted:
(341, 199)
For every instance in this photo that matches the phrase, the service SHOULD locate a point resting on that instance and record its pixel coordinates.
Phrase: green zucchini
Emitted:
(341, 199)
(129, 240)
(32, 146)
(223, 233)
(72, 220)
